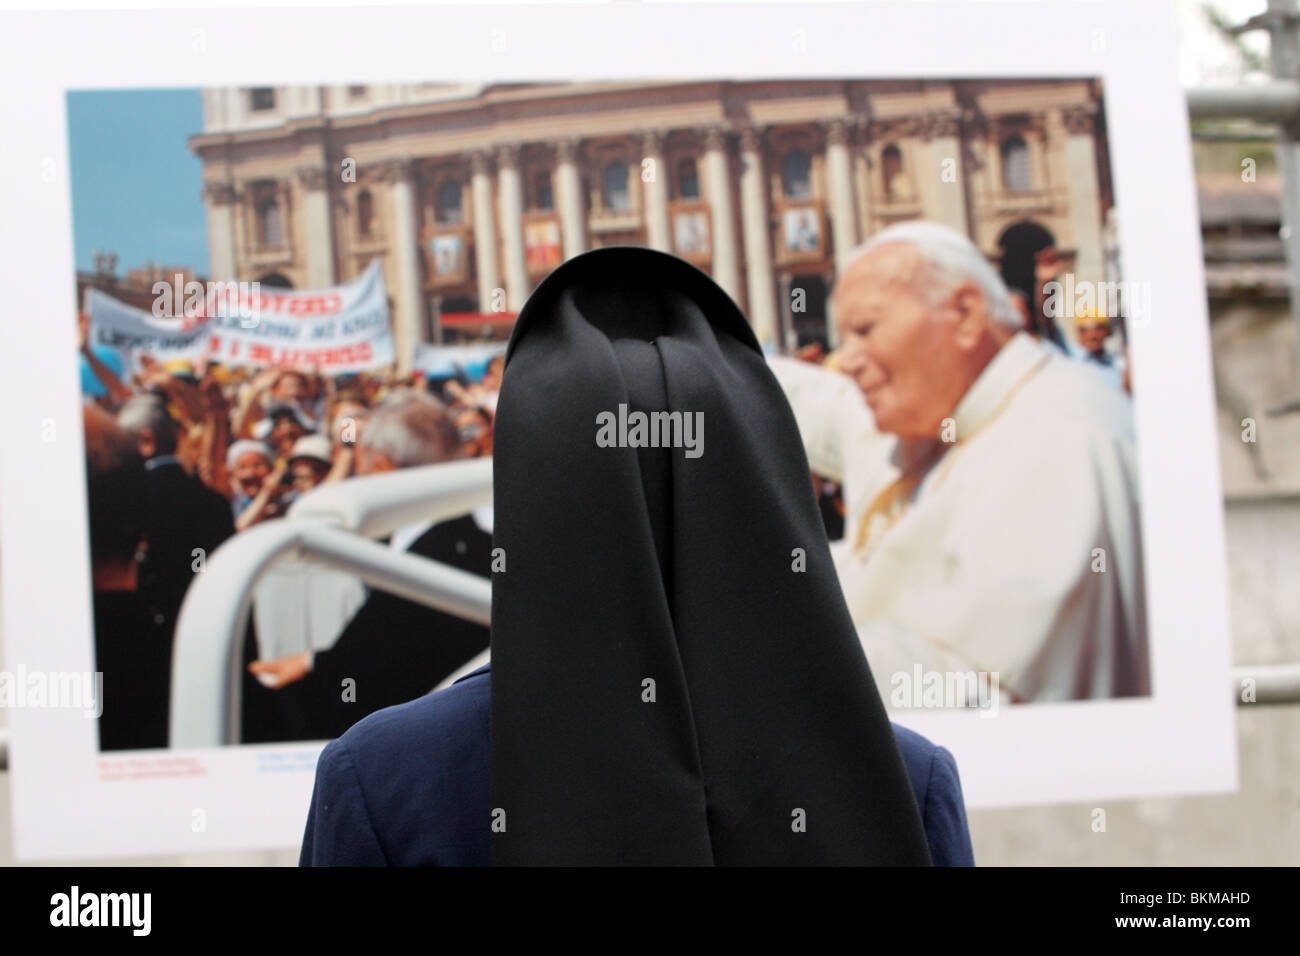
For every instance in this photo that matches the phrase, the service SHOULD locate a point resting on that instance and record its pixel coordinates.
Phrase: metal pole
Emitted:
(1285, 54)
(1277, 101)
(1267, 684)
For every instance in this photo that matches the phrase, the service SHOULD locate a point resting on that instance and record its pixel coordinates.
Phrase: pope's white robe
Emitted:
(1021, 550)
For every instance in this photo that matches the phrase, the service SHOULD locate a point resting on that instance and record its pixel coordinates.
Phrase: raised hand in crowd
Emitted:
(215, 411)
(249, 400)
(266, 504)
(118, 392)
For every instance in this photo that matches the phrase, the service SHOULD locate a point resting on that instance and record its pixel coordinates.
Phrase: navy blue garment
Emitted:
(408, 786)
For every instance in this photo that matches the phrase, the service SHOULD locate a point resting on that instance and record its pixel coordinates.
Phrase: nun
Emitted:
(674, 678)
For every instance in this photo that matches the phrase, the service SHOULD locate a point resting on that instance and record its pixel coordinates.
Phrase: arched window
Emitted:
(688, 180)
(270, 223)
(1015, 165)
(261, 98)
(448, 209)
(543, 195)
(275, 280)
(891, 167)
(365, 213)
(616, 195)
(796, 178)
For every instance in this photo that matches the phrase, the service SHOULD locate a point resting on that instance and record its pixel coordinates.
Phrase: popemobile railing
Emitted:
(332, 526)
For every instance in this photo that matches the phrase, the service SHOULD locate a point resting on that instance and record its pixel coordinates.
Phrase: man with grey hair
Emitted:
(185, 521)
(392, 650)
(407, 429)
(990, 482)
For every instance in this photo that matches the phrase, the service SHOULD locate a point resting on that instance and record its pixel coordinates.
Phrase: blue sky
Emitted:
(135, 184)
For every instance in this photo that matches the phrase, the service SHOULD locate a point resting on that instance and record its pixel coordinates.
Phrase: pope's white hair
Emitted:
(949, 259)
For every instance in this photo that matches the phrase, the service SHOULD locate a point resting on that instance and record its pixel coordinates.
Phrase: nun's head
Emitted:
(673, 664)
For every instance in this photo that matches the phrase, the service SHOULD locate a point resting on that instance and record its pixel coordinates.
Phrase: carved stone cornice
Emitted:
(480, 162)
(974, 123)
(896, 127)
(1079, 118)
(398, 170)
(507, 156)
(311, 177)
(942, 123)
(568, 149)
(839, 131)
(751, 137)
(653, 142)
(220, 193)
(714, 136)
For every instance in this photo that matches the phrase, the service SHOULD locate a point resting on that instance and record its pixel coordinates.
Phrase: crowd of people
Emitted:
(181, 456)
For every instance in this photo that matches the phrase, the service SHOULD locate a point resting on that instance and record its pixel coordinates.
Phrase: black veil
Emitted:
(672, 683)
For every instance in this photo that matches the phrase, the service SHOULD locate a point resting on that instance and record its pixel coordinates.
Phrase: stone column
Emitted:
(408, 305)
(758, 246)
(512, 226)
(1078, 123)
(318, 226)
(839, 176)
(485, 230)
(657, 229)
(943, 183)
(717, 178)
(220, 200)
(843, 209)
(572, 204)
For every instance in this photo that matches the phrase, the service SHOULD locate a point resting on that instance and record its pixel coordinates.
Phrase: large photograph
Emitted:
(979, 486)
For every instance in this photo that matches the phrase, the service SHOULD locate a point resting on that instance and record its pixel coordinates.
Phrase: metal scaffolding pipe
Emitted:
(1277, 101)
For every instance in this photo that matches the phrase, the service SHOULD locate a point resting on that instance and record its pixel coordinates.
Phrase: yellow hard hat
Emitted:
(1091, 317)
(180, 367)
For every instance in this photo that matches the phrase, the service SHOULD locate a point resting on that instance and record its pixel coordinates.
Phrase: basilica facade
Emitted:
(470, 194)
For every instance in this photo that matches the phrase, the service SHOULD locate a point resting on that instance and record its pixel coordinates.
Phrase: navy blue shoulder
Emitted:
(414, 776)
(933, 772)
(450, 709)
(409, 786)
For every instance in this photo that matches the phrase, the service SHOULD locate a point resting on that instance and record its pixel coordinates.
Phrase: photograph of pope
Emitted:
(989, 478)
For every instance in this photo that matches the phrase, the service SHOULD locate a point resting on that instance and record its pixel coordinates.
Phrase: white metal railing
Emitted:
(330, 525)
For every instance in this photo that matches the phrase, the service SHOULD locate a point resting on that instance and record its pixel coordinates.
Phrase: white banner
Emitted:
(331, 331)
(446, 361)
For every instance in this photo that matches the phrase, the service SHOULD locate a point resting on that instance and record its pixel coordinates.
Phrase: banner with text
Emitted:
(455, 361)
(332, 331)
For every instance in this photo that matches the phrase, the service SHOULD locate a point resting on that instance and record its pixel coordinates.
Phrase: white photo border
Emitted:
(1180, 741)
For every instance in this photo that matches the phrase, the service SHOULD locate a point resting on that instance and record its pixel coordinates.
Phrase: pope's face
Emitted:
(896, 344)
